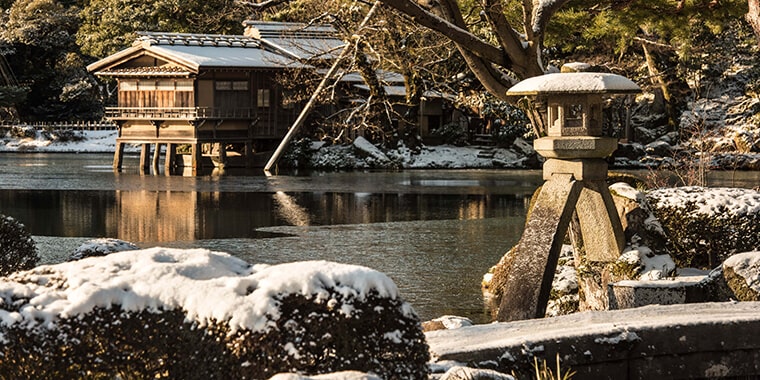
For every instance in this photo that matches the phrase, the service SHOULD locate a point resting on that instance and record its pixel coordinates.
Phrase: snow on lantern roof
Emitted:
(574, 83)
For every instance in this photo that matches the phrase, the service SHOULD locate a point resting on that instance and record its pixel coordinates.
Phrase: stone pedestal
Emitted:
(573, 185)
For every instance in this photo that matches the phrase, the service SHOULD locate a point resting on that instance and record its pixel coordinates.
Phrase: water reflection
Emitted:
(143, 216)
(290, 211)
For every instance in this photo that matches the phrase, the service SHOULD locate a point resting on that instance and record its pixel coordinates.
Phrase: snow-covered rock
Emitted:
(101, 247)
(742, 274)
(446, 322)
(707, 225)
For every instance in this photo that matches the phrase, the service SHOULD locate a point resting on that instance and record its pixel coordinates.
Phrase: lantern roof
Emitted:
(574, 83)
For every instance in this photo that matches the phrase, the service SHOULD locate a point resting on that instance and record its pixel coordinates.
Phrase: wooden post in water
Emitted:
(118, 156)
(144, 158)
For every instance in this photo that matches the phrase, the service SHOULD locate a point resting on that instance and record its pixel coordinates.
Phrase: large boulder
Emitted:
(196, 314)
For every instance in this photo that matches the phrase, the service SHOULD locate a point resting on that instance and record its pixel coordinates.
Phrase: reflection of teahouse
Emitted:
(569, 105)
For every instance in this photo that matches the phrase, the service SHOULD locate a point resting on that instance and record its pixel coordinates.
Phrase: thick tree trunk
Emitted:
(753, 17)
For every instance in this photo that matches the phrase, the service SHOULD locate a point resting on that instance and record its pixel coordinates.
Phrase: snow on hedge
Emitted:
(207, 285)
(718, 201)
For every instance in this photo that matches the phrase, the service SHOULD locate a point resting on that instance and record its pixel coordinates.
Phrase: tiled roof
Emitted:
(187, 39)
(148, 71)
(196, 51)
(297, 40)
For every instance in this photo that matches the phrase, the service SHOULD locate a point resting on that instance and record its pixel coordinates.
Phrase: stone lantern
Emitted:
(569, 106)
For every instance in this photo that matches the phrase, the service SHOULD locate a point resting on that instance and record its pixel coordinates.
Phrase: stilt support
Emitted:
(156, 157)
(171, 156)
(118, 156)
(144, 158)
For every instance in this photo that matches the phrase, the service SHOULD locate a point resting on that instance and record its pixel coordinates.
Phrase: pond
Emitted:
(434, 232)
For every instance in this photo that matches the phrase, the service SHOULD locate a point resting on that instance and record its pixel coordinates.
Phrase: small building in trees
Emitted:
(216, 93)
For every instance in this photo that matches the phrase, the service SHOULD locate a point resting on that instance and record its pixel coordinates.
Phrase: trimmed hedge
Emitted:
(705, 226)
(321, 329)
(308, 338)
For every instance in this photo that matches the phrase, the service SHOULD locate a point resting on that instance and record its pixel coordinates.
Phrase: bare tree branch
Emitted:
(454, 32)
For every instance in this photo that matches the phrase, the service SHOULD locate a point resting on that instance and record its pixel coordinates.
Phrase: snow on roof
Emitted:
(222, 57)
(195, 51)
(206, 285)
(719, 202)
(382, 75)
(574, 83)
(305, 48)
(276, 28)
(297, 40)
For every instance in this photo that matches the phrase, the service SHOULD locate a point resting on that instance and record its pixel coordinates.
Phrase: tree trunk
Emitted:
(753, 17)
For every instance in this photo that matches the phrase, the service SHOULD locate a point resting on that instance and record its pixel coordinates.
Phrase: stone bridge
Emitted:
(691, 341)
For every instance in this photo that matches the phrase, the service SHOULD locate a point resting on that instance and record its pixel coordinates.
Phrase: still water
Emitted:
(433, 232)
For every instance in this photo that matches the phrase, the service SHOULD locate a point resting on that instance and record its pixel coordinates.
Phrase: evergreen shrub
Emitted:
(698, 238)
(332, 330)
(308, 338)
(451, 133)
(17, 249)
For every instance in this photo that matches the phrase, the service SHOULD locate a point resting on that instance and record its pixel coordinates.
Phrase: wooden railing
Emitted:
(180, 113)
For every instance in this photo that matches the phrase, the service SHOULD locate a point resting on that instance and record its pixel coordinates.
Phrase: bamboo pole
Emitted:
(307, 108)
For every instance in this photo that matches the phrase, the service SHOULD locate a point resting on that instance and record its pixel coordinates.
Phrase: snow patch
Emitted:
(718, 201)
(208, 286)
(624, 336)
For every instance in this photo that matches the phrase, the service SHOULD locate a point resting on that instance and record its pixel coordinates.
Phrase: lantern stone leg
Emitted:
(572, 186)
(601, 229)
(531, 266)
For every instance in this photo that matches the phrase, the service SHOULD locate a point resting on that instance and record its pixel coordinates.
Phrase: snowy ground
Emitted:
(92, 142)
(443, 156)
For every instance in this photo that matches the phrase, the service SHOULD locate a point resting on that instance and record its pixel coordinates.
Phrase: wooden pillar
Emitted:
(144, 158)
(156, 155)
(222, 152)
(118, 156)
(195, 151)
(249, 154)
(171, 153)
